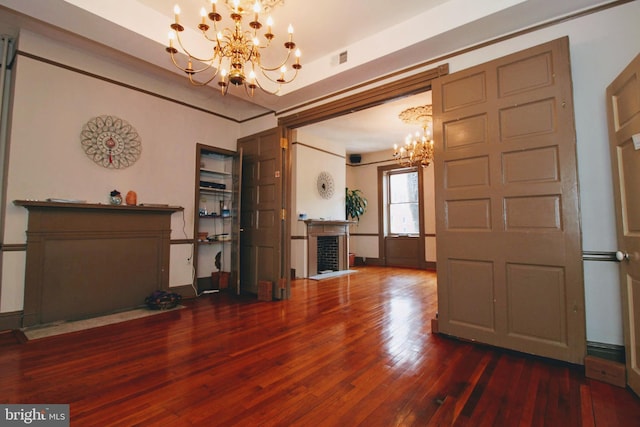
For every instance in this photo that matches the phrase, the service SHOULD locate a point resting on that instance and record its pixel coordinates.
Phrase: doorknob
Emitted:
(622, 256)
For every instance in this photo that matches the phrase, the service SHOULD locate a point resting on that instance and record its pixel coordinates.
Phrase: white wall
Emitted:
(310, 157)
(46, 159)
(365, 178)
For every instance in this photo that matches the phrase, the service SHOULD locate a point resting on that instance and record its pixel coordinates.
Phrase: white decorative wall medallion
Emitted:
(325, 185)
(111, 142)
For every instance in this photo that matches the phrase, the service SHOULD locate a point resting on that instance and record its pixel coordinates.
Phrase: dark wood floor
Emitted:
(355, 350)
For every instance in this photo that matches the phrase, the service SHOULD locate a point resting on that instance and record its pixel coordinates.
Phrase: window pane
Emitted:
(403, 187)
(403, 218)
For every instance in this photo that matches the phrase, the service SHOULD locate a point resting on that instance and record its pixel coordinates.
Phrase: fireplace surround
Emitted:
(323, 236)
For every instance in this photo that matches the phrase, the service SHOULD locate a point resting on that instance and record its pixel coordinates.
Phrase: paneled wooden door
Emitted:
(236, 224)
(261, 205)
(507, 209)
(623, 111)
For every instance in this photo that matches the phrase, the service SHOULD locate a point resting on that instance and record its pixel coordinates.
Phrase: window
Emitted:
(403, 202)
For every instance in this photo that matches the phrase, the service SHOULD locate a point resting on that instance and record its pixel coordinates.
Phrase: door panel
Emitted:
(623, 112)
(236, 224)
(261, 242)
(509, 247)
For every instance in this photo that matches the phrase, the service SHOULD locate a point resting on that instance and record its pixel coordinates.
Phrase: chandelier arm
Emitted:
(206, 82)
(193, 71)
(193, 57)
(264, 89)
(208, 38)
(277, 67)
(279, 81)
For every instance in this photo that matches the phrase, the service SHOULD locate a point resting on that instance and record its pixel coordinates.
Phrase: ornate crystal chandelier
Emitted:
(418, 148)
(237, 52)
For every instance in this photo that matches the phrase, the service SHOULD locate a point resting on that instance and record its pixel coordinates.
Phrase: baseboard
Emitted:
(428, 265)
(612, 352)
(185, 290)
(10, 320)
(367, 261)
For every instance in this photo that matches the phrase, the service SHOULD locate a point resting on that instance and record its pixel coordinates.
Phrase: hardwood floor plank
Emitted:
(353, 350)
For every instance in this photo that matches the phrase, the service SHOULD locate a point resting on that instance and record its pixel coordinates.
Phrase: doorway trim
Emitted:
(411, 85)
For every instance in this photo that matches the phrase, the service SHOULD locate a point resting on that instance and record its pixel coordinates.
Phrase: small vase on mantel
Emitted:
(115, 198)
(131, 198)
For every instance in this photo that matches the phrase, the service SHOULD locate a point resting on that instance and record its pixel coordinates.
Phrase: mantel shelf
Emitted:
(328, 222)
(97, 206)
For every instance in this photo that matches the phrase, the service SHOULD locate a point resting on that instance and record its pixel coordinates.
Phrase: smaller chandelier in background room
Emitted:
(418, 147)
(237, 53)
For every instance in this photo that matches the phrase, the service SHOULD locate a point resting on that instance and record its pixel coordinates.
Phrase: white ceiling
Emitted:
(380, 37)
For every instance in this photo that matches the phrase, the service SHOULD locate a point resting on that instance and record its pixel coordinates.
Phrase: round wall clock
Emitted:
(325, 185)
(111, 142)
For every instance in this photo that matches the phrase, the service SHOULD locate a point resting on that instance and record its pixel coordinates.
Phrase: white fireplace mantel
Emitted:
(317, 228)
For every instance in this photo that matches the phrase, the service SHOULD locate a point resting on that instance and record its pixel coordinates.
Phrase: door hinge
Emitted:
(284, 143)
(283, 214)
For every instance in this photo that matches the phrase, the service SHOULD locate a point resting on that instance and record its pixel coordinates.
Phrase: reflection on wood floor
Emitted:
(354, 350)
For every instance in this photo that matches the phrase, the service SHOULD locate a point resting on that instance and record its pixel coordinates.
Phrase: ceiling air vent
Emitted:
(343, 57)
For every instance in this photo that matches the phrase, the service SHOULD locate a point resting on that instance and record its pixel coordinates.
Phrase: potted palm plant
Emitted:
(355, 207)
(355, 204)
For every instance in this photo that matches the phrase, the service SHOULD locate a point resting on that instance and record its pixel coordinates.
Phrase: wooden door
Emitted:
(261, 207)
(623, 112)
(507, 212)
(236, 182)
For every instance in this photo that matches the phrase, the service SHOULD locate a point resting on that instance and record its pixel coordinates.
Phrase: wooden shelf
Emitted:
(215, 173)
(96, 206)
(214, 190)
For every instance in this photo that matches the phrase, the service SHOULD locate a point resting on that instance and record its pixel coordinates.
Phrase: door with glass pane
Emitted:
(401, 216)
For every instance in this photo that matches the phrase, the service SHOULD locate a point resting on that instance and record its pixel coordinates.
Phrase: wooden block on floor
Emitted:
(265, 290)
(605, 370)
(434, 326)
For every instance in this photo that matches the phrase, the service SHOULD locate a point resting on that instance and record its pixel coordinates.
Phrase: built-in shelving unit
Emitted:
(213, 222)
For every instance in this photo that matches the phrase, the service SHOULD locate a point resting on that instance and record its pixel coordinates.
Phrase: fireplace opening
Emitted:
(328, 253)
